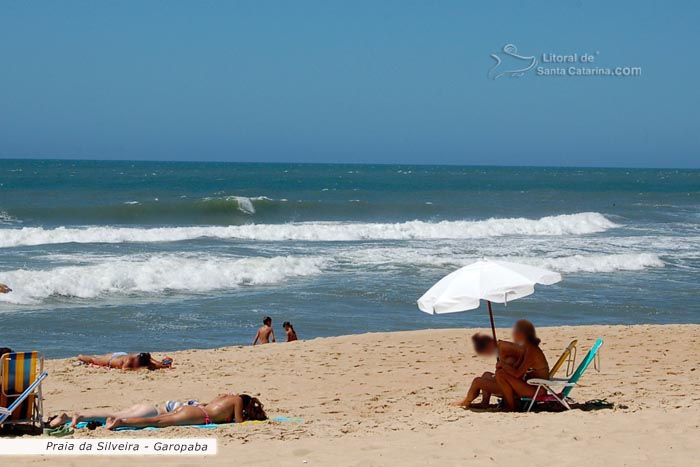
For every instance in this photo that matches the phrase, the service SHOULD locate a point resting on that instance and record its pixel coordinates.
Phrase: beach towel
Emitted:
(82, 425)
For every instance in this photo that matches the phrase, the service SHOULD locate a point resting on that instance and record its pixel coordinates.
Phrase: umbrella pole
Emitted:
(493, 327)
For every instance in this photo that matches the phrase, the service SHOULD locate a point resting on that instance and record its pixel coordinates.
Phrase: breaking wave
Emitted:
(445, 258)
(154, 274)
(602, 263)
(567, 224)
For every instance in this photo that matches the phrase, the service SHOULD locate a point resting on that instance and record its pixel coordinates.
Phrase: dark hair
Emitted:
(287, 323)
(4, 350)
(144, 359)
(481, 342)
(267, 320)
(528, 329)
(253, 408)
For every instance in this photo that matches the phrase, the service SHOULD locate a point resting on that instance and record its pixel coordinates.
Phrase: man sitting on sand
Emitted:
(265, 333)
(225, 408)
(125, 361)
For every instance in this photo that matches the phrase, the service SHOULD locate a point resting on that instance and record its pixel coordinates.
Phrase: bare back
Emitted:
(534, 363)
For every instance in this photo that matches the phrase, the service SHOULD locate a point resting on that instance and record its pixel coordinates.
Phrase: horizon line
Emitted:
(413, 164)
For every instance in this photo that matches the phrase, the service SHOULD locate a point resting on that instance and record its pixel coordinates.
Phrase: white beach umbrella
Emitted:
(493, 281)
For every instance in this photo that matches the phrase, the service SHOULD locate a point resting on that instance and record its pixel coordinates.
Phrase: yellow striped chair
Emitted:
(20, 387)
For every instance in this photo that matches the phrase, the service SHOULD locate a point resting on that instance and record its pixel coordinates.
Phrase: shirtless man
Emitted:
(507, 352)
(5, 289)
(124, 361)
(265, 333)
(512, 379)
(225, 408)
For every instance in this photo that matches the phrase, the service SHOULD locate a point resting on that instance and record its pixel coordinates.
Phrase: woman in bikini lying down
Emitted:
(225, 408)
(125, 361)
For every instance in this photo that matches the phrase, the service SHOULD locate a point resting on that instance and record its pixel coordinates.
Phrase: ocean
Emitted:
(161, 256)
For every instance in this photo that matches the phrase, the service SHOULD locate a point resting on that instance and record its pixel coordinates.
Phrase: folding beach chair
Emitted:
(20, 392)
(568, 357)
(545, 391)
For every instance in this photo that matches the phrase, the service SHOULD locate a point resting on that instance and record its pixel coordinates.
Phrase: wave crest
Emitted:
(154, 274)
(566, 224)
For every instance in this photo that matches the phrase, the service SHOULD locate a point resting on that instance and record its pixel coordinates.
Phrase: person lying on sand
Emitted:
(512, 379)
(225, 408)
(125, 361)
(508, 352)
(145, 409)
(265, 333)
(291, 333)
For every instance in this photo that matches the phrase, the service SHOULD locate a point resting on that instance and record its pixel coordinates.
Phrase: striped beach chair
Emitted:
(20, 388)
(568, 357)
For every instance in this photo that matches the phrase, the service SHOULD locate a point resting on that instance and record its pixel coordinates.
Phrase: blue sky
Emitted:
(361, 81)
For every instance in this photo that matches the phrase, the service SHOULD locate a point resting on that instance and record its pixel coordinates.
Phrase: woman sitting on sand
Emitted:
(291, 333)
(508, 352)
(125, 361)
(512, 379)
(225, 408)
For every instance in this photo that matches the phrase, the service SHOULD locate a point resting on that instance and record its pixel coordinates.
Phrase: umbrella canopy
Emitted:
(494, 281)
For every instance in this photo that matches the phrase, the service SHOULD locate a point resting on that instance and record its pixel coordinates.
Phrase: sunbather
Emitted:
(225, 408)
(512, 379)
(507, 352)
(125, 361)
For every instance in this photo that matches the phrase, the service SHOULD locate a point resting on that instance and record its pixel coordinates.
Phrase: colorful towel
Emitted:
(82, 425)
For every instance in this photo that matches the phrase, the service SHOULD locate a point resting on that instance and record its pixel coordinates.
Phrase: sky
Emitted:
(361, 81)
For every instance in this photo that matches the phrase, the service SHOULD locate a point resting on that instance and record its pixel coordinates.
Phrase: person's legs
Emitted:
(186, 415)
(144, 409)
(486, 395)
(480, 384)
(59, 420)
(513, 387)
(101, 360)
(506, 391)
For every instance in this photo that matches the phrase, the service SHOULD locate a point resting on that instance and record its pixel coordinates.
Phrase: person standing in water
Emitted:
(265, 333)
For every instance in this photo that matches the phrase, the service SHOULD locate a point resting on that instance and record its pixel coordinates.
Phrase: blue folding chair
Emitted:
(546, 391)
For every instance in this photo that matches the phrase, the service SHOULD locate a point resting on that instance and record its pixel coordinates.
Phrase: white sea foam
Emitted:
(568, 224)
(5, 218)
(154, 274)
(445, 257)
(601, 263)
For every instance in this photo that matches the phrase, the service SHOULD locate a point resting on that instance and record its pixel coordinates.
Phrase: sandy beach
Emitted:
(384, 399)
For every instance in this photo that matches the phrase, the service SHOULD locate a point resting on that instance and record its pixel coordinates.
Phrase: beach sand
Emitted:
(384, 399)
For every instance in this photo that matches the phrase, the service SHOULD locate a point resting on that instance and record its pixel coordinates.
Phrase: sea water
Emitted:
(157, 256)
